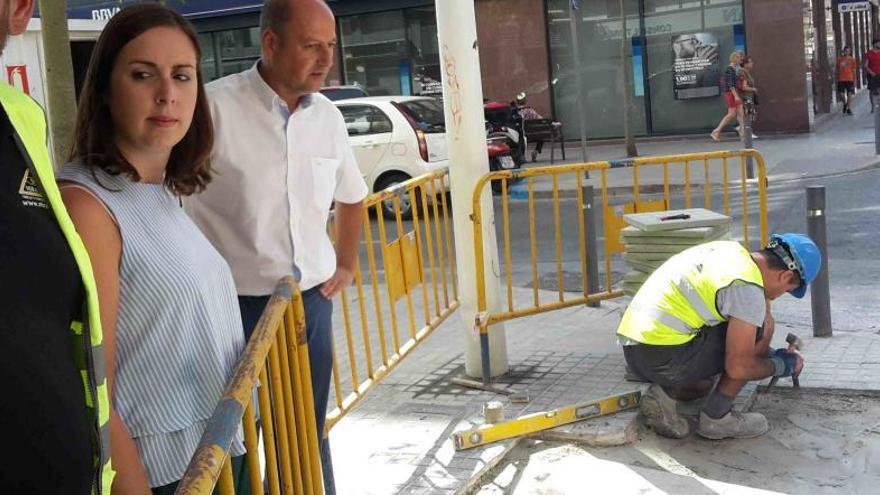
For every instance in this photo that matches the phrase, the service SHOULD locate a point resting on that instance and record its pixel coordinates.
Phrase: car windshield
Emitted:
(428, 114)
(336, 94)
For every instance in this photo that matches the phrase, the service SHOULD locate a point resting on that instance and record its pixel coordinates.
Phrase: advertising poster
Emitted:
(696, 68)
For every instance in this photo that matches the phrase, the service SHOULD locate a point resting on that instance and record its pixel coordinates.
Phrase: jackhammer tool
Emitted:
(794, 344)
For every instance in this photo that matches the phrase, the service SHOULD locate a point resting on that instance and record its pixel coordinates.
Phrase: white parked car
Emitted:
(395, 138)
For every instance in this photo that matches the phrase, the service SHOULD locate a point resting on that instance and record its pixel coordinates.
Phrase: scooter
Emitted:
(500, 123)
(500, 158)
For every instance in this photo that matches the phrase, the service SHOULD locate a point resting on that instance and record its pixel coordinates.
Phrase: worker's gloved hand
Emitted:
(785, 362)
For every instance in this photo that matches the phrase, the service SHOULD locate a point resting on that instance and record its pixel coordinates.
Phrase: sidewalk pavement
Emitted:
(397, 440)
(787, 157)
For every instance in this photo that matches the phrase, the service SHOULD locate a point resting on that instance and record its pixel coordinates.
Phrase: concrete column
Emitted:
(468, 161)
(821, 79)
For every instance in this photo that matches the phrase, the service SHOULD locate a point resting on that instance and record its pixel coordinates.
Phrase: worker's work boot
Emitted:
(734, 424)
(660, 413)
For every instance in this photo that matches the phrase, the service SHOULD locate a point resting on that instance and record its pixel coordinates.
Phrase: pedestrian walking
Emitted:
(282, 159)
(846, 78)
(731, 97)
(705, 314)
(55, 395)
(748, 92)
(168, 306)
(872, 70)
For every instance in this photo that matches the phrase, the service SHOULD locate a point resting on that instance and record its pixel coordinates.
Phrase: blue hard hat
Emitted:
(801, 254)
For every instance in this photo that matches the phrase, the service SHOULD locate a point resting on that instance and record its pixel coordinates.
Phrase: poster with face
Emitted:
(695, 67)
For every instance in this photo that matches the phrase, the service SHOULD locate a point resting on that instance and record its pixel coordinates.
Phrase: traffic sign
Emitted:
(857, 6)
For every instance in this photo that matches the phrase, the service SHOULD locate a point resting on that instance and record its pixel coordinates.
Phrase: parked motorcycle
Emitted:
(500, 158)
(501, 123)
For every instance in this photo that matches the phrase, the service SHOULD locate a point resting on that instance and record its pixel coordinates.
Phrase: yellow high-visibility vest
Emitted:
(678, 299)
(29, 122)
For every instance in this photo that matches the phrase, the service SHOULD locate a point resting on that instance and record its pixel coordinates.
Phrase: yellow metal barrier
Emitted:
(676, 180)
(277, 359)
(410, 291)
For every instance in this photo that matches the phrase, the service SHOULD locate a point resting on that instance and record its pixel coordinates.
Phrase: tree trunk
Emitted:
(61, 93)
(631, 150)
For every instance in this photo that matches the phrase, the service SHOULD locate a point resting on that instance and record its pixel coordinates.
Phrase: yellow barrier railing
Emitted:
(676, 179)
(410, 291)
(276, 358)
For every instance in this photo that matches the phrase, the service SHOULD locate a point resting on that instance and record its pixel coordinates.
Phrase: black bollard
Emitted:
(748, 144)
(592, 244)
(819, 289)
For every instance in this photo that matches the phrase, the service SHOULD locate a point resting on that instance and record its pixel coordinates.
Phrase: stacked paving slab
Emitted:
(654, 237)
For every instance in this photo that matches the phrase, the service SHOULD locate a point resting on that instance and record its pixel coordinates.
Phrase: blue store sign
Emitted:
(98, 9)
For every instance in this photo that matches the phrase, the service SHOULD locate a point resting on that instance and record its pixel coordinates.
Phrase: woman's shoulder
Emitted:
(80, 172)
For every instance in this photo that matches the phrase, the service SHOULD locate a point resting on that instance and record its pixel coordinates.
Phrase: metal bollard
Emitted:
(819, 290)
(592, 246)
(748, 144)
(876, 124)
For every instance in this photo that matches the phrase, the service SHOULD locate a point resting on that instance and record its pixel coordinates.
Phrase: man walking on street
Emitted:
(705, 313)
(872, 69)
(281, 159)
(846, 78)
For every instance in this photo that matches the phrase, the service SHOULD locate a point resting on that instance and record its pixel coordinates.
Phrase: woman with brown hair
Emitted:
(168, 303)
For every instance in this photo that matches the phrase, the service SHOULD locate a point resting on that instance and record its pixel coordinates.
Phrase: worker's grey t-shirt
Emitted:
(743, 301)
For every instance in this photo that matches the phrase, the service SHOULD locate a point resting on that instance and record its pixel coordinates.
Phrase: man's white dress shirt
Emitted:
(275, 176)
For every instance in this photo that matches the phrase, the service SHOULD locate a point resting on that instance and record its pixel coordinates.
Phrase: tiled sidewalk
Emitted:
(397, 441)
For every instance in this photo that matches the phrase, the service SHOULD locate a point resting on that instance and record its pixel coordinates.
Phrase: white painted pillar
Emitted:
(468, 161)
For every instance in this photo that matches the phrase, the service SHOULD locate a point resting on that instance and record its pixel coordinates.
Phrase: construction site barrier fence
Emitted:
(715, 180)
(410, 290)
(280, 415)
(407, 289)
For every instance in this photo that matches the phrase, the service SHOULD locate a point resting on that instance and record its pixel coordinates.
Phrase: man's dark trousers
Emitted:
(319, 332)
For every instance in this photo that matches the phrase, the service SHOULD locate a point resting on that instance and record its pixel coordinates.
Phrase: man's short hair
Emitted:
(274, 15)
(774, 262)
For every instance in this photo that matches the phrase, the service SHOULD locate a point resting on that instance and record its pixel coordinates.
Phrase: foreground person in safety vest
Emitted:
(706, 312)
(55, 406)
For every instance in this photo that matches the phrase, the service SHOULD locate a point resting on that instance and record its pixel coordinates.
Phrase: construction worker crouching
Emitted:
(706, 312)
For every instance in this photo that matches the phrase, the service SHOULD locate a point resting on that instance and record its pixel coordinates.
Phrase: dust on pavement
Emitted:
(820, 442)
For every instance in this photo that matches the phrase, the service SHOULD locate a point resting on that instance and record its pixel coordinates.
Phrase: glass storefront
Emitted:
(229, 51)
(674, 51)
(393, 52)
(710, 29)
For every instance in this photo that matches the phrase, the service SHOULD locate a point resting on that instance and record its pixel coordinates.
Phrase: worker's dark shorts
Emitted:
(677, 366)
(873, 83)
(846, 87)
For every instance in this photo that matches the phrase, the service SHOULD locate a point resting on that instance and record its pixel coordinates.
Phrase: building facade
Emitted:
(674, 51)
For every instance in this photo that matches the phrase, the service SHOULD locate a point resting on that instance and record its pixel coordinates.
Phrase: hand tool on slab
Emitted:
(515, 397)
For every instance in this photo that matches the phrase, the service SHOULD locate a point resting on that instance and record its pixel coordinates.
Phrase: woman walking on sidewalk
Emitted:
(748, 91)
(731, 97)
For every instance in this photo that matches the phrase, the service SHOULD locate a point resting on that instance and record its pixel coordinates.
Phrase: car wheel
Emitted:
(388, 205)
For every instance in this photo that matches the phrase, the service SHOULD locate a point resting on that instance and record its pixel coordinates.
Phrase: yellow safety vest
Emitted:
(678, 299)
(29, 122)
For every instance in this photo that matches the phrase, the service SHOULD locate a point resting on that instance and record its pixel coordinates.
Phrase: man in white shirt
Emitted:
(281, 159)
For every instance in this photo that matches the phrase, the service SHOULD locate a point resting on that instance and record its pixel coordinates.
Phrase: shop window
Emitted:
(688, 47)
(605, 52)
(229, 51)
(393, 52)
